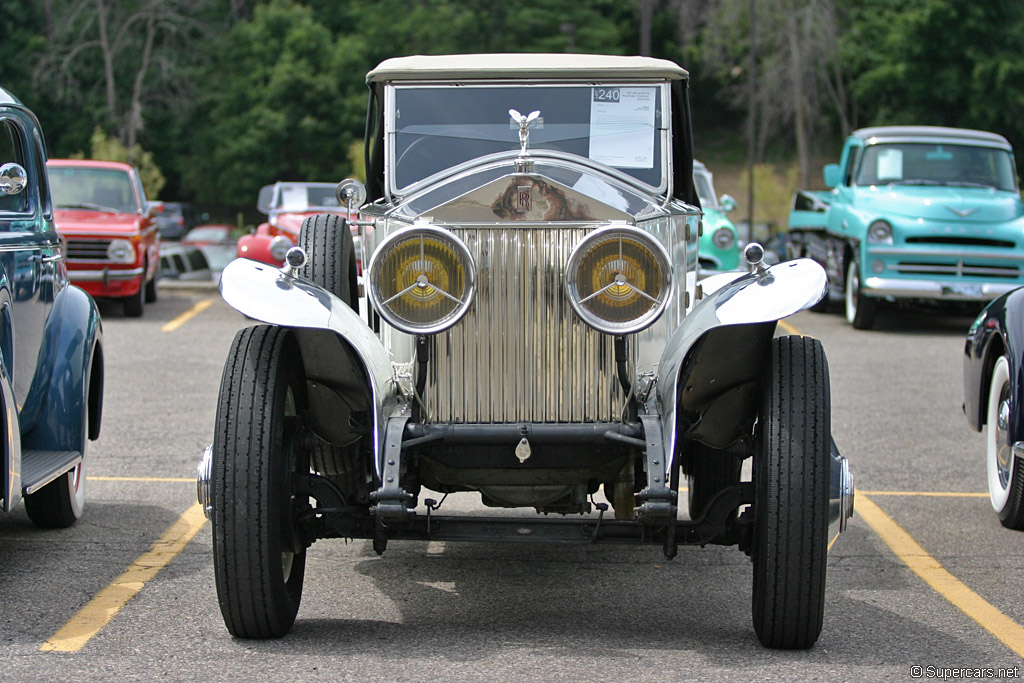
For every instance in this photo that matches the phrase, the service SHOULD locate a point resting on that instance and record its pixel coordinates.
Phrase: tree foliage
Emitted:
(228, 95)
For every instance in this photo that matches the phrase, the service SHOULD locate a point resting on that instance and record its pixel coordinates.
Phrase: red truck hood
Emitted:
(81, 222)
(291, 222)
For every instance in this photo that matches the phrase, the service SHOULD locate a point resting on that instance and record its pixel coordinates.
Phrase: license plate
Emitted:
(962, 290)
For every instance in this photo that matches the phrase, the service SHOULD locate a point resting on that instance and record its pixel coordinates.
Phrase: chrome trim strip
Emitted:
(934, 289)
(1008, 255)
(103, 275)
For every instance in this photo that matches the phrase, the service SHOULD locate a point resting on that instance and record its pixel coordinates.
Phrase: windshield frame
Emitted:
(870, 151)
(662, 131)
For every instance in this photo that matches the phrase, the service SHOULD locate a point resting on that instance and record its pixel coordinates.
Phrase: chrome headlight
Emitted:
(618, 279)
(121, 251)
(724, 238)
(279, 247)
(880, 232)
(422, 279)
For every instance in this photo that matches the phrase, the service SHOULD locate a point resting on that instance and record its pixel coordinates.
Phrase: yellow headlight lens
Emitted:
(421, 280)
(618, 280)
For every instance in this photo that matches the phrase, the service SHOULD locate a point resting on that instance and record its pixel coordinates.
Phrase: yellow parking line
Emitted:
(108, 602)
(790, 329)
(1009, 632)
(175, 480)
(187, 315)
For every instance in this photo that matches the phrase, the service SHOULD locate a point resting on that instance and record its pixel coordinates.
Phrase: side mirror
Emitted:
(727, 202)
(351, 193)
(13, 178)
(265, 197)
(833, 175)
(153, 208)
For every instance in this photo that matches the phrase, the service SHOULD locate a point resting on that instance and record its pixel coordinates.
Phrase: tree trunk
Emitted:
(646, 17)
(108, 62)
(796, 81)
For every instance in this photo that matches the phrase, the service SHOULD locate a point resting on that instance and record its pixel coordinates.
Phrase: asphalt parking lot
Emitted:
(924, 577)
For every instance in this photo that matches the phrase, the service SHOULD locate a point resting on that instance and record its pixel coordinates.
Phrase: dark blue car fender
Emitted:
(72, 410)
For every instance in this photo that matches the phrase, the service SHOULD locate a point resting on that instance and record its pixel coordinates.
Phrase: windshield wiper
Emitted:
(89, 205)
(968, 183)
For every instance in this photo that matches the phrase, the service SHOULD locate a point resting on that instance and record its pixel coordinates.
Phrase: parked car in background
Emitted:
(184, 263)
(994, 400)
(288, 205)
(51, 341)
(915, 214)
(217, 242)
(109, 230)
(535, 335)
(172, 220)
(719, 242)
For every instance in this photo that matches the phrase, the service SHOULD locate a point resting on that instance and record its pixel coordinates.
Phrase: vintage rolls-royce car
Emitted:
(994, 400)
(109, 229)
(51, 356)
(536, 336)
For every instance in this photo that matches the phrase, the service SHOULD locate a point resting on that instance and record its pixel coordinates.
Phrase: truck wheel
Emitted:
(151, 289)
(1005, 471)
(861, 311)
(58, 504)
(791, 477)
(259, 559)
(710, 472)
(330, 256)
(136, 303)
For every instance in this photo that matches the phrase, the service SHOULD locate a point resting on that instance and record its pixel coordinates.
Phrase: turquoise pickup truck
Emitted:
(914, 213)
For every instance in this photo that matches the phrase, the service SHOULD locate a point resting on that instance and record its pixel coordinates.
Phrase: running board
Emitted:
(39, 468)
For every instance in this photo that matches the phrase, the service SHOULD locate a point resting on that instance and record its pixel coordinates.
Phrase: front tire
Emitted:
(1005, 471)
(135, 304)
(330, 256)
(791, 478)
(259, 557)
(861, 310)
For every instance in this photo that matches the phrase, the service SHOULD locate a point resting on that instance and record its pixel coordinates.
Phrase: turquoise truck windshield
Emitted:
(438, 127)
(937, 164)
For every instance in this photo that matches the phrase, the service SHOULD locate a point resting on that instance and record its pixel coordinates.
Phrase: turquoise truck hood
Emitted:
(946, 204)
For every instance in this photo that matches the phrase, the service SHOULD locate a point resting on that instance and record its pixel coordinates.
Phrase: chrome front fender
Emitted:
(270, 295)
(748, 300)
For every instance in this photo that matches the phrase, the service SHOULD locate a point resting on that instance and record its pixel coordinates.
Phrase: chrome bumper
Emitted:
(934, 289)
(105, 275)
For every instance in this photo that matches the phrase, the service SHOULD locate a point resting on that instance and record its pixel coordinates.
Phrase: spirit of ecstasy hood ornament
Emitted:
(524, 128)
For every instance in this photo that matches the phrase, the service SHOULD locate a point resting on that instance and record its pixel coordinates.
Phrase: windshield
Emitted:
(704, 190)
(937, 164)
(305, 196)
(99, 189)
(438, 127)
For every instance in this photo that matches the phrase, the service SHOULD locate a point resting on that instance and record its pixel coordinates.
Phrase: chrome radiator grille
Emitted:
(521, 354)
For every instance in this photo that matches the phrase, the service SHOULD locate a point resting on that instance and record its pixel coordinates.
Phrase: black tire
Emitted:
(135, 304)
(1005, 471)
(259, 561)
(59, 504)
(791, 478)
(861, 310)
(711, 471)
(151, 294)
(330, 256)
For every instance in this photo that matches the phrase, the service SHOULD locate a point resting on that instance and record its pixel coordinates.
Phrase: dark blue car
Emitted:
(51, 356)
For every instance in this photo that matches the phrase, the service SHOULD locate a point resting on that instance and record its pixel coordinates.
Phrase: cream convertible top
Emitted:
(526, 65)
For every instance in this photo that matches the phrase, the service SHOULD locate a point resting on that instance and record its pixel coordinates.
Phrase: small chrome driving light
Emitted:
(618, 279)
(880, 232)
(422, 279)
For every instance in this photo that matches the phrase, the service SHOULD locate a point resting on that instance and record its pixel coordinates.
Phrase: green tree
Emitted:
(109, 148)
(271, 107)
